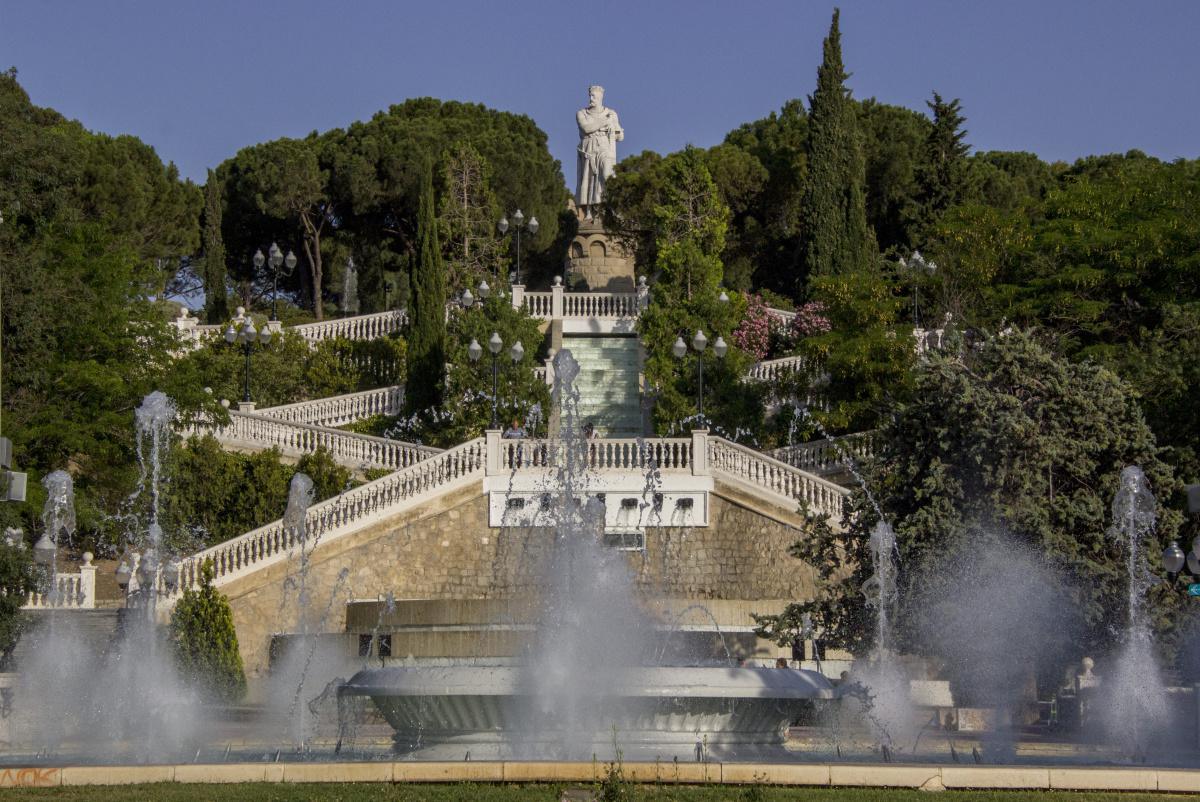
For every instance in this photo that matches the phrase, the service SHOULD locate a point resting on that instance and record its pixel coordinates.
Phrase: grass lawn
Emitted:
(375, 792)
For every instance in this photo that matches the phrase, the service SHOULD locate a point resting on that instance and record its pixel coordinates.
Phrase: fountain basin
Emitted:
(719, 706)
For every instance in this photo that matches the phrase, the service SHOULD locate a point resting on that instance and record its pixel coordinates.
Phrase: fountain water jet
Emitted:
(1137, 707)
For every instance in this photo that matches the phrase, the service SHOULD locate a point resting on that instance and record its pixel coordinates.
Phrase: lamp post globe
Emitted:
(679, 349)
(720, 347)
(474, 350)
(1173, 558)
(699, 342)
(517, 352)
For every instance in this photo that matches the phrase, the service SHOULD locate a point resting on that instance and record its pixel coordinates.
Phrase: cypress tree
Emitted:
(835, 237)
(942, 177)
(205, 639)
(216, 305)
(427, 334)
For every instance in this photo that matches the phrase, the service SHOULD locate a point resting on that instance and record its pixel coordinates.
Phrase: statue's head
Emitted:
(596, 94)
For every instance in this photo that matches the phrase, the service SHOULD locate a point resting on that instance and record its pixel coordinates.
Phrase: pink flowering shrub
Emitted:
(753, 334)
(810, 319)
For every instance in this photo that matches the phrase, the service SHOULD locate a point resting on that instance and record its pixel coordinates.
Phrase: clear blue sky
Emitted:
(199, 80)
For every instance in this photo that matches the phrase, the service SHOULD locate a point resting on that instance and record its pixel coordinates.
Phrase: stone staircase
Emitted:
(92, 630)
(609, 383)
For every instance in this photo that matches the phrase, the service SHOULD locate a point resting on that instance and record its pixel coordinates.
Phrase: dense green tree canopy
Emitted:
(94, 228)
(690, 221)
(355, 192)
(1005, 442)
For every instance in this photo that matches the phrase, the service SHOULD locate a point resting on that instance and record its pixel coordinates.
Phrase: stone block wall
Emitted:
(447, 551)
(598, 261)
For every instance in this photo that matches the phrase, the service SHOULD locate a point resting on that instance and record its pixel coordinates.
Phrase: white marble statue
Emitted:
(599, 133)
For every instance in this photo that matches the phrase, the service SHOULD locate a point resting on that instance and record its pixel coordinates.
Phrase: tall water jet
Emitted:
(1134, 686)
(58, 525)
(154, 418)
(880, 587)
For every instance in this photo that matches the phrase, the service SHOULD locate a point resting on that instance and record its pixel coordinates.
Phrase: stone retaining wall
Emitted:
(445, 550)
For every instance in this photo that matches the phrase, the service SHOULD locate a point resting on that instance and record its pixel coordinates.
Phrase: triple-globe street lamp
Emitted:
(245, 334)
(495, 345)
(699, 343)
(518, 223)
(275, 258)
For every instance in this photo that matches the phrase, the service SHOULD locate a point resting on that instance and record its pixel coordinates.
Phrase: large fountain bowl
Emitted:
(718, 706)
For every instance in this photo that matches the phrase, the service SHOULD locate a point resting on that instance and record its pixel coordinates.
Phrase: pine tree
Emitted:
(835, 237)
(942, 177)
(205, 640)
(216, 305)
(471, 248)
(427, 336)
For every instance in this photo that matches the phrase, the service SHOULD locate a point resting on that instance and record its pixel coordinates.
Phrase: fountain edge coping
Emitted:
(929, 777)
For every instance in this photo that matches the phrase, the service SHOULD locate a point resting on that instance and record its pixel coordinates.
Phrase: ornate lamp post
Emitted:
(699, 343)
(275, 258)
(518, 222)
(247, 335)
(495, 345)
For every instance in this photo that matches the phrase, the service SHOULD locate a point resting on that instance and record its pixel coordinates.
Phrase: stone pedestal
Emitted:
(596, 262)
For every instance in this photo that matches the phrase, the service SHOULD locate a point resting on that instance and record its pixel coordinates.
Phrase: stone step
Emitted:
(94, 630)
(609, 384)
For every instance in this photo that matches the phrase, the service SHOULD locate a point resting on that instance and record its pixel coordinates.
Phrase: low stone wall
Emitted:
(929, 778)
(446, 550)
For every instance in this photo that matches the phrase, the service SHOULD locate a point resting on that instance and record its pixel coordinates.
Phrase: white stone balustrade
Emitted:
(68, 591)
(615, 454)
(600, 304)
(700, 455)
(340, 410)
(929, 340)
(763, 473)
(358, 327)
(255, 431)
(825, 456)
(772, 369)
(781, 315)
(558, 304)
(337, 517)
(537, 304)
